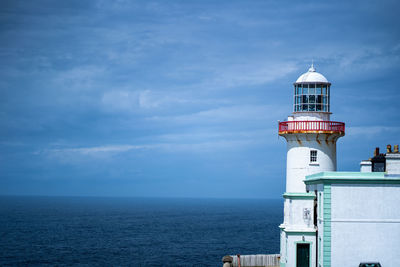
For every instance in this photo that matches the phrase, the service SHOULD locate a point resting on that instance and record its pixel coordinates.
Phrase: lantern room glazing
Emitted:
(311, 97)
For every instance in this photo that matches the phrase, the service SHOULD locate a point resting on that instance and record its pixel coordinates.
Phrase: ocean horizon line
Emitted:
(138, 197)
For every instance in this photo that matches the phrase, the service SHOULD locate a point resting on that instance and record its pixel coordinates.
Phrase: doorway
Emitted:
(303, 255)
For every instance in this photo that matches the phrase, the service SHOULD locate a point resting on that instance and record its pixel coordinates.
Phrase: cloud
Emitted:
(83, 154)
(100, 149)
(130, 101)
(149, 99)
(226, 115)
(354, 61)
(209, 134)
(120, 100)
(191, 141)
(251, 73)
(367, 58)
(370, 131)
(80, 78)
(130, 83)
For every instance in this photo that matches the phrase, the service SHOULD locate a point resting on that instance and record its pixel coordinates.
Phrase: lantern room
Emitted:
(311, 92)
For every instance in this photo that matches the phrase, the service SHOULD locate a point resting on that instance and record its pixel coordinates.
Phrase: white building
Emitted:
(334, 218)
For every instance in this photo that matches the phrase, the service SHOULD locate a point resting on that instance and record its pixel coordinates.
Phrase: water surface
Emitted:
(69, 231)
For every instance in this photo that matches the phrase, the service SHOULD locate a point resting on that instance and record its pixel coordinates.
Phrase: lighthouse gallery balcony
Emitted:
(287, 127)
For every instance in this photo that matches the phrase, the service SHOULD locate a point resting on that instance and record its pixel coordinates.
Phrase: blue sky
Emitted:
(182, 98)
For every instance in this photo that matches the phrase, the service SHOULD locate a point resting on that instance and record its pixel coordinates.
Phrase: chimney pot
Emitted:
(396, 149)
(376, 152)
(388, 149)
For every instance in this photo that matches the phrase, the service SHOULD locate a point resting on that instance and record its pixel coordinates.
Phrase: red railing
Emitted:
(311, 126)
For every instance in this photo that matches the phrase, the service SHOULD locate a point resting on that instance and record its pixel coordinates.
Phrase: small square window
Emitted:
(313, 155)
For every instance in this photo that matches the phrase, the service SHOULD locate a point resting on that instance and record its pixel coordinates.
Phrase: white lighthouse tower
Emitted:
(311, 148)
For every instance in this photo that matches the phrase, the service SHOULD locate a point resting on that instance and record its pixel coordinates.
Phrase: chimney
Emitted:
(396, 149)
(388, 149)
(376, 152)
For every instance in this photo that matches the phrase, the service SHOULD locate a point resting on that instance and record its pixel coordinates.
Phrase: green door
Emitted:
(303, 255)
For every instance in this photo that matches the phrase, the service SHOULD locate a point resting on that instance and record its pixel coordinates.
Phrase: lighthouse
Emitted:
(331, 218)
(311, 148)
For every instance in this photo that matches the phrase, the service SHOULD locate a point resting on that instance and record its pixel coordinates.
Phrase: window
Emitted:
(318, 89)
(305, 89)
(313, 155)
(305, 95)
(378, 166)
(319, 99)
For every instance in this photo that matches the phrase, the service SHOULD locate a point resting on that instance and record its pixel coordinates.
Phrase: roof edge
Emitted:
(352, 177)
(290, 195)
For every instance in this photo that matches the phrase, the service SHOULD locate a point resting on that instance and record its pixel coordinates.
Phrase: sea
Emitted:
(111, 231)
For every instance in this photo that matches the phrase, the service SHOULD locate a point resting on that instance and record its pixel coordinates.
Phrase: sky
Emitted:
(182, 98)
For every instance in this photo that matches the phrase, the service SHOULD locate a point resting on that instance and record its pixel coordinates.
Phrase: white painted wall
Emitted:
(311, 116)
(353, 243)
(283, 245)
(298, 157)
(294, 214)
(393, 163)
(365, 224)
(378, 201)
(365, 166)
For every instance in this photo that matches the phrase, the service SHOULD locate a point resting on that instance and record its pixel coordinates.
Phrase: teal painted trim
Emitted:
(352, 181)
(346, 175)
(351, 178)
(299, 233)
(310, 195)
(326, 245)
(295, 255)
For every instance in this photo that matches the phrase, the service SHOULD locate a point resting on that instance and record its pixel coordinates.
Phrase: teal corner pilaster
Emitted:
(327, 226)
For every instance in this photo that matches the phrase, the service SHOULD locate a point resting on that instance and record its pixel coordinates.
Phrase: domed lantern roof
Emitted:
(311, 76)
(311, 92)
